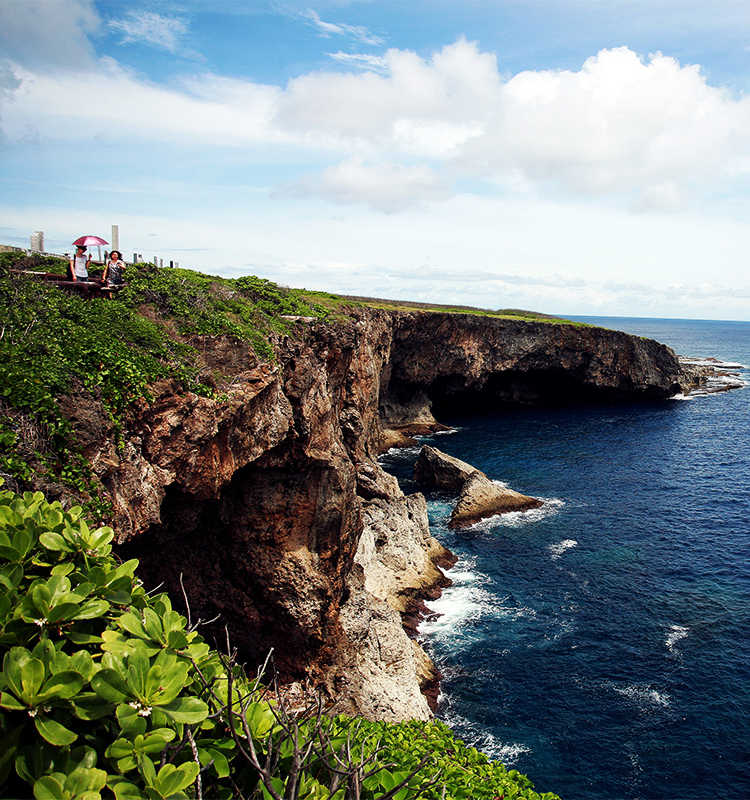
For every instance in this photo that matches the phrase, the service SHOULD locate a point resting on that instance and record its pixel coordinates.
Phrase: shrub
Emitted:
(108, 691)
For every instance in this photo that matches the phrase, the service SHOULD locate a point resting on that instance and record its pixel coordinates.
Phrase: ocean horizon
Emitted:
(601, 643)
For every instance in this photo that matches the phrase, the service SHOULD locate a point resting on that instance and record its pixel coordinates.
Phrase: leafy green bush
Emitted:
(54, 344)
(107, 691)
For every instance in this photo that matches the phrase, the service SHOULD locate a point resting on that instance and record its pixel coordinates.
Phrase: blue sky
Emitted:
(569, 156)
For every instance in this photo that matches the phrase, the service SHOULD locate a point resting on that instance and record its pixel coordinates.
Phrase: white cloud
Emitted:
(650, 132)
(48, 33)
(151, 28)
(328, 29)
(384, 187)
(361, 61)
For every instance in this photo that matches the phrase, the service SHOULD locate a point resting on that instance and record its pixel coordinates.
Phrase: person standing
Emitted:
(113, 269)
(79, 264)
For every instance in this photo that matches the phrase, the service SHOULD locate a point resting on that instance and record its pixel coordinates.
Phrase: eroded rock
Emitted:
(481, 498)
(435, 469)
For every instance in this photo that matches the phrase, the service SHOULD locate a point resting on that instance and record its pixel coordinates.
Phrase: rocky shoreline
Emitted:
(269, 500)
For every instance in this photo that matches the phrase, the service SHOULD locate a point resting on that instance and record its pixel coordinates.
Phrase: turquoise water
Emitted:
(601, 644)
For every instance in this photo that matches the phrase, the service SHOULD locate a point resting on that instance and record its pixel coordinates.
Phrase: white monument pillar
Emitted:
(37, 241)
(115, 243)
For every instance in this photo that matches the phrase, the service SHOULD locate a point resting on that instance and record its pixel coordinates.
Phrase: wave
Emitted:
(676, 633)
(517, 519)
(474, 735)
(558, 549)
(711, 362)
(464, 603)
(400, 451)
(448, 432)
(644, 696)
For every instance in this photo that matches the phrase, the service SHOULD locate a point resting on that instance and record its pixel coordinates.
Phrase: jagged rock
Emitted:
(265, 498)
(396, 557)
(435, 469)
(481, 497)
(397, 551)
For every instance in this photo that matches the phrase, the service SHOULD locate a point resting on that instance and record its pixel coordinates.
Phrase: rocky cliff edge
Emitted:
(269, 505)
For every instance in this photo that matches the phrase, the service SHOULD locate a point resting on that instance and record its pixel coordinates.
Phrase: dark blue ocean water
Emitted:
(601, 644)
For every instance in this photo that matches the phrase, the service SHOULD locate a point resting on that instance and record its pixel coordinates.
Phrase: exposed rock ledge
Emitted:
(270, 500)
(479, 496)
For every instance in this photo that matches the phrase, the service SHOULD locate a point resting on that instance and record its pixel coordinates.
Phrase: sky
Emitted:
(575, 157)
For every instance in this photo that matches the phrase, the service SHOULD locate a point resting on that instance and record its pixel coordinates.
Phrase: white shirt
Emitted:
(80, 266)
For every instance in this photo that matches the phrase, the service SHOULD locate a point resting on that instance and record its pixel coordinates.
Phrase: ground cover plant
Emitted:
(107, 691)
(55, 344)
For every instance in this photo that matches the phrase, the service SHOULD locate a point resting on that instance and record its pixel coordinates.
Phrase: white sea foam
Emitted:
(465, 602)
(475, 736)
(517, 519)
(644, 695)
(676, 633)
(446, 433)
(680, 396)
(558, 549)
(400, 451)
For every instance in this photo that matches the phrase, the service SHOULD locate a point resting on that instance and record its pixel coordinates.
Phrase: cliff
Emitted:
(266, 500)
(272, 505)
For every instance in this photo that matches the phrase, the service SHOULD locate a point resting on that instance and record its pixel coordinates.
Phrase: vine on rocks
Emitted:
(107, 691)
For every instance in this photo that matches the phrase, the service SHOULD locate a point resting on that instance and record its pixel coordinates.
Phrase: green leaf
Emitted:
(92, 609)
(50, 787)
(9, 702)
(189, 710)
(32, 675)
(63, 686)
(177, 640)
(110, 686)
(130, 721)
(123, 789)
(54, 732)
(220, 765)
(55, 542)
(83, 781)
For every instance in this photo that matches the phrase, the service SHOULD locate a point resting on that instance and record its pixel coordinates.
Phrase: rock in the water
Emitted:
(437, 470)
(480, 498)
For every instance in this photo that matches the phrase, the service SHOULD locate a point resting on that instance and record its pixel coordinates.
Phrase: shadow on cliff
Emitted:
(269, 556)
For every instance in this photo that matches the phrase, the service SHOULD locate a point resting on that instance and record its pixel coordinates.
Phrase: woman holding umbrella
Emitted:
(80, 261)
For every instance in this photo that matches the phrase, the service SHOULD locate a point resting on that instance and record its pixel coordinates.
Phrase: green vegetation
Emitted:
(60, 350)
(57, 346)
(106, 691)
(502, 313)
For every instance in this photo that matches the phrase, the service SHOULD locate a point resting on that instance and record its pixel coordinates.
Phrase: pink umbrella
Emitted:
(89, 240)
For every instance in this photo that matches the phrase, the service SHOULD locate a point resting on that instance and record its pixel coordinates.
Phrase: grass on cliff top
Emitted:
(58, 350)
(502, 313)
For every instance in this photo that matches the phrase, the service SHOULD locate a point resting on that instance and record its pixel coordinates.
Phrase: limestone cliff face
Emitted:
(270, 503)
(462, 362)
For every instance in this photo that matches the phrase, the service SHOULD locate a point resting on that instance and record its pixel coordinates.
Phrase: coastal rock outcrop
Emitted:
(397, 559)
(435, 469)
(467, 363)
(268, 504)
(481, 498)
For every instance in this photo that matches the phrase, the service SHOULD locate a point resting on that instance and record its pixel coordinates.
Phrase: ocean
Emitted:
(601, 643)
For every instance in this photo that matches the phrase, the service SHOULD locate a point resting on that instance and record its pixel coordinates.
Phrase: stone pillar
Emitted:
(37, 241)
(116, 237)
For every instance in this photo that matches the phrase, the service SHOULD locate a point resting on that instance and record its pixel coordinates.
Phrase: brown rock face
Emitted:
(270, 502)
(481, 498)
(460, 361)
(435, 469)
